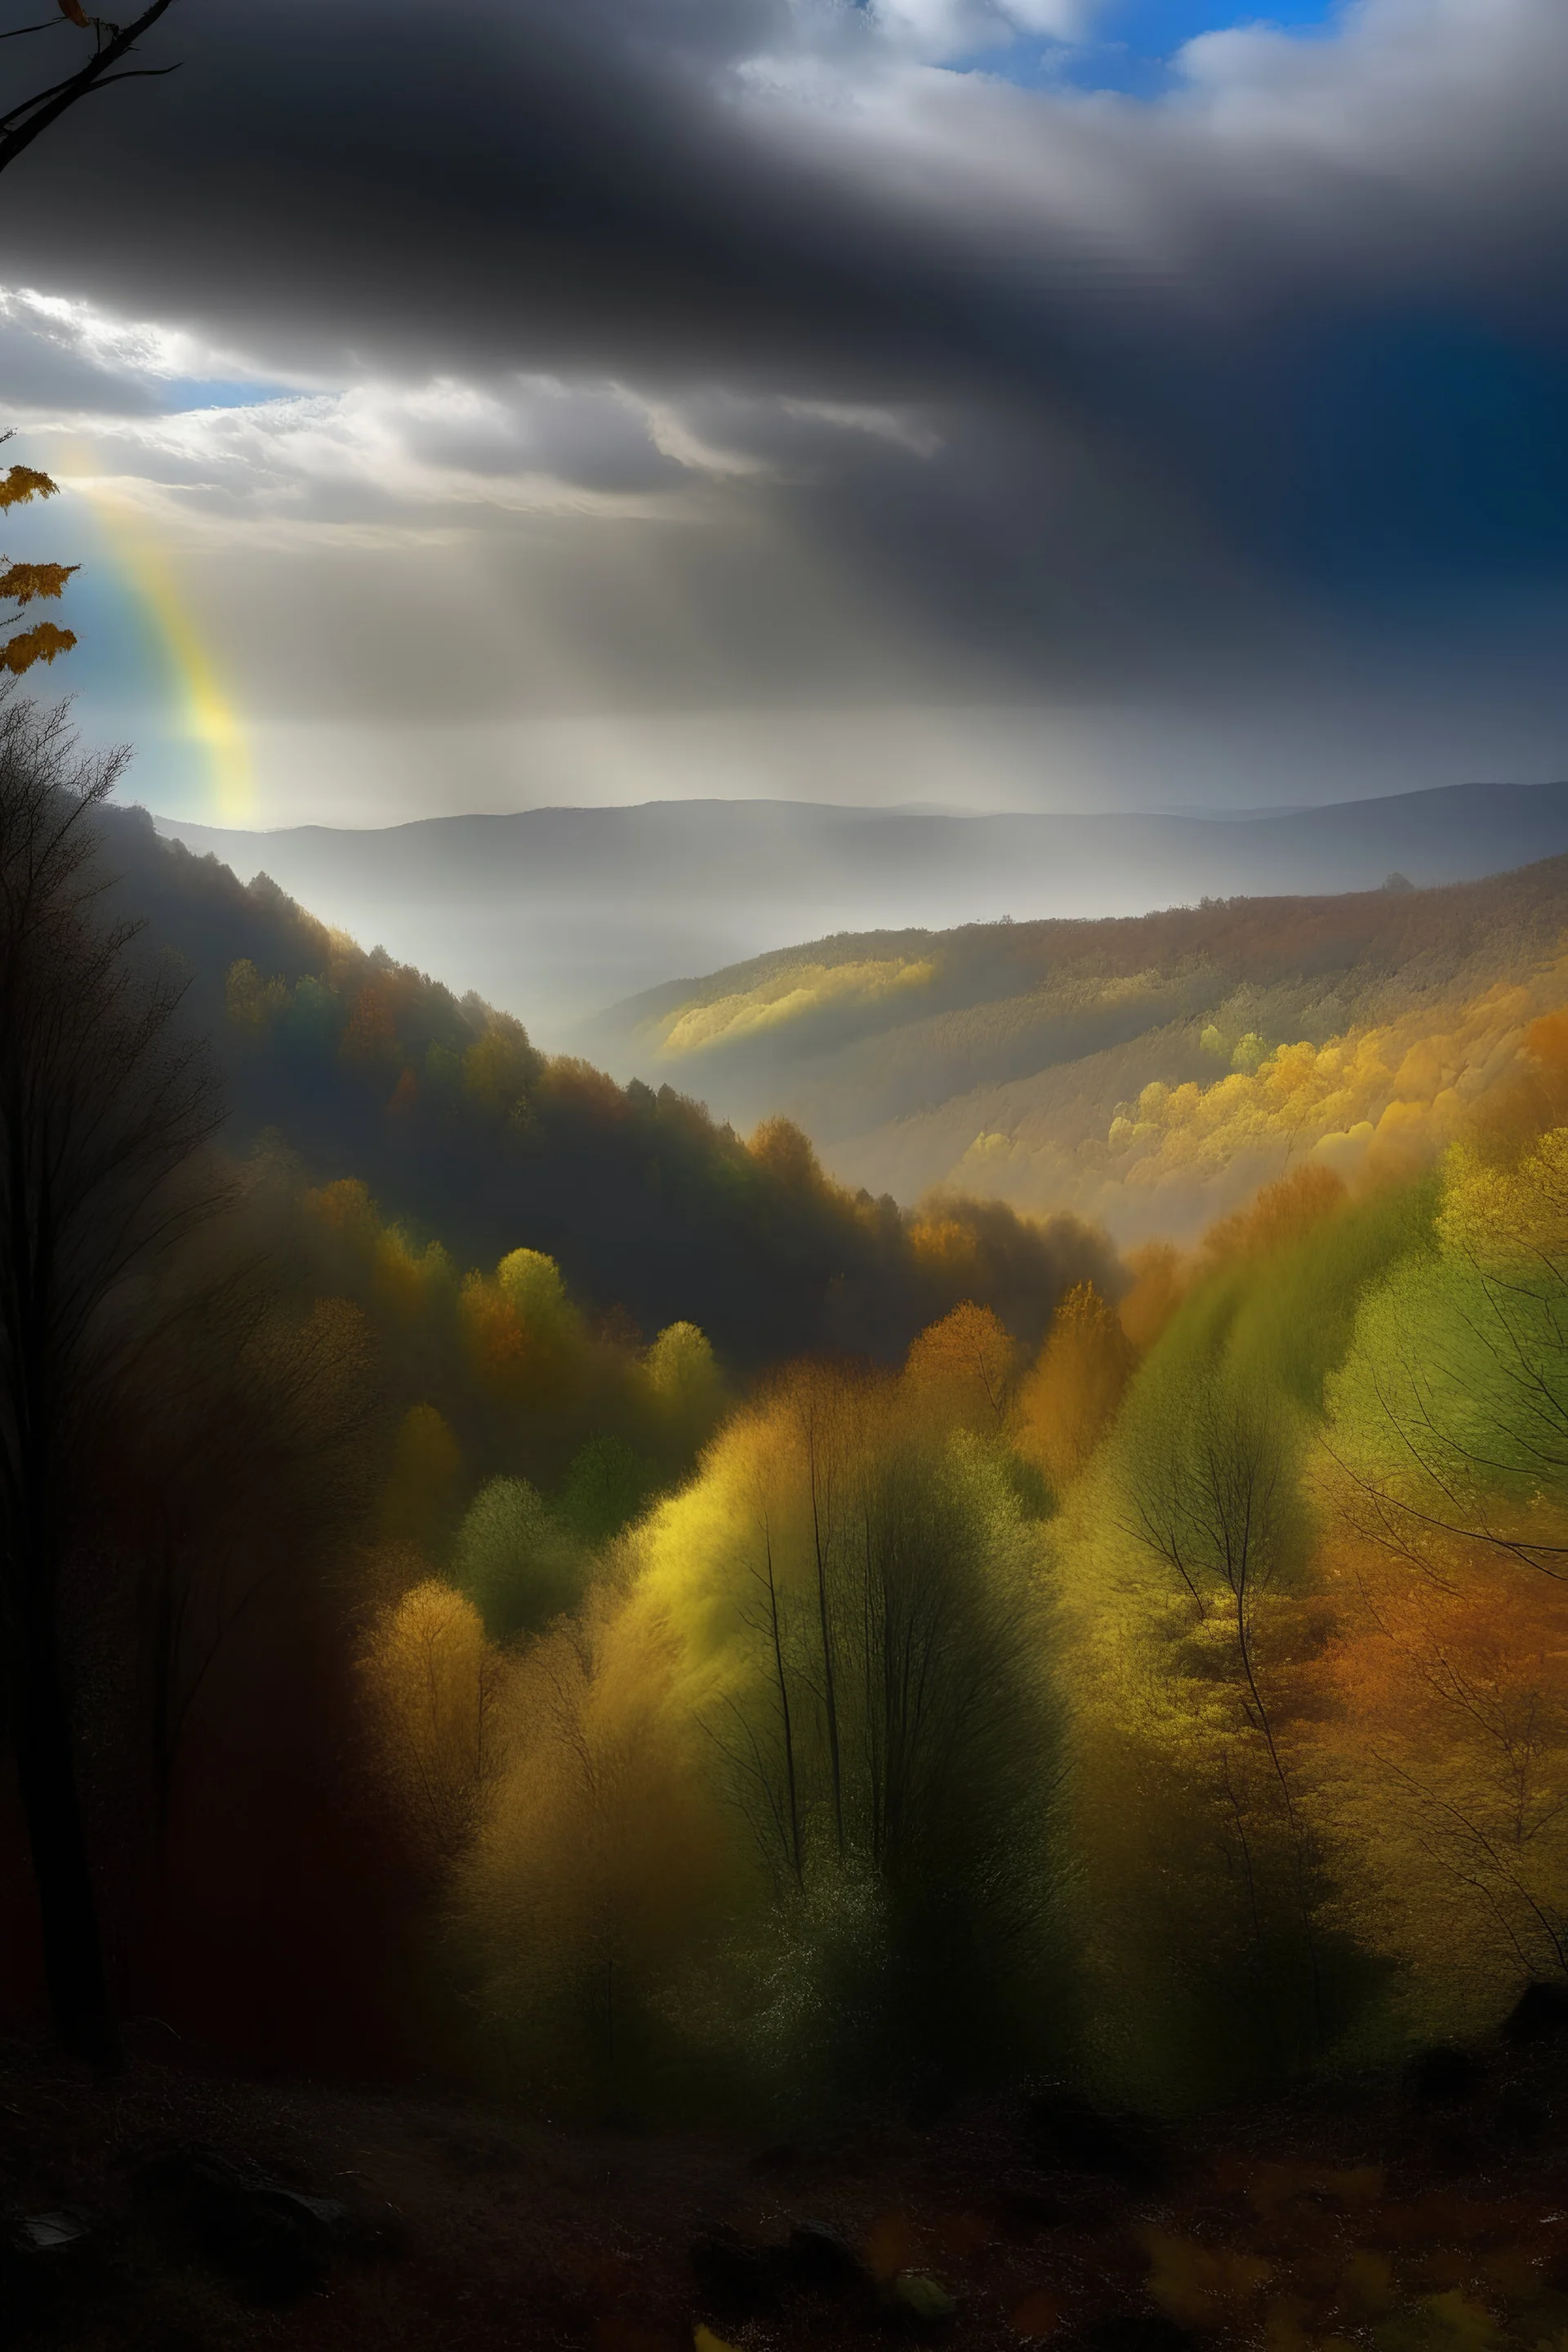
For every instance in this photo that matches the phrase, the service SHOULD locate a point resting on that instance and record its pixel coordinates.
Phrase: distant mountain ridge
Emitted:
(555, 912)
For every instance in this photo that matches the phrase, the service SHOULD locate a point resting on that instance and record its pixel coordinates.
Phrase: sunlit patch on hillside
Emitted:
(1381, 1099)
(789, 997)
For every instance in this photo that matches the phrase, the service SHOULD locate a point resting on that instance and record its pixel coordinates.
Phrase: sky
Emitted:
(1004, 404)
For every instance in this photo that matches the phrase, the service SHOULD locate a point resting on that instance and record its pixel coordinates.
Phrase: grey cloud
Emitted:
(39, 374)
(929, 385)
(625, 187)
(591, 436)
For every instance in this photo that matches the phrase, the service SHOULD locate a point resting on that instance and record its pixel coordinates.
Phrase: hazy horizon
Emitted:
(557, 914)
(1218, 812)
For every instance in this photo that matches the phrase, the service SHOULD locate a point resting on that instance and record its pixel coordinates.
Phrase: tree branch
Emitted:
(50, 104)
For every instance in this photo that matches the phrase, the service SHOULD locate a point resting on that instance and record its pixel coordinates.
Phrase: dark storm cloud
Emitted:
(406, 179)
(942, 383)
(652, 188)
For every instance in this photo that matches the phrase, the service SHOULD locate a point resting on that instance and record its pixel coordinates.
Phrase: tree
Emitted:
(854, 1588)
(1075, 1388)
(22, 585)
(1201, 1481)
(596, 1866)
(29, 116)
(435, 1685)
(103, 1111)
(1447, 1479)
(963, 1366)
(515, 1560)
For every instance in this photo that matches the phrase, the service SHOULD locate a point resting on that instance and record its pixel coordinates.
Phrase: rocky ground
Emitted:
(177, 2209)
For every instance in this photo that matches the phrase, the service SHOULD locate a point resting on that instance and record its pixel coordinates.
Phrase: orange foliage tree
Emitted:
(1447, 1481)
(1075, 1387)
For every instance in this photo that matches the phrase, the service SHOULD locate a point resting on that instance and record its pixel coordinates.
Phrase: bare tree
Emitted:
(103, 1111)
(1212, 1496)
(29, 116)
(24, 120)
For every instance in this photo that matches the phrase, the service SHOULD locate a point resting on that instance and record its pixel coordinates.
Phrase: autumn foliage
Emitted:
(679, 1636)
(22, 585)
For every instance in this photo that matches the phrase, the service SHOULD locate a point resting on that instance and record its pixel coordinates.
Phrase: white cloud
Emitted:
(1411, 142)
(382, 455)
(124, 347)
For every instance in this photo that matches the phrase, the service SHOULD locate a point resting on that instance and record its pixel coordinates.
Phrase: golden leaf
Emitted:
(24, 483)
(22, 582)
(42, 644)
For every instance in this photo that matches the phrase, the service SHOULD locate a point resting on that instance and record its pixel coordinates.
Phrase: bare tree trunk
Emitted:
(820, 1543)
(75, 1973)
(791, 1785)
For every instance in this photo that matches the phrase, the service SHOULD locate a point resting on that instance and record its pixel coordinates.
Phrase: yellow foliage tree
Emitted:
(524, 1338)
(1158, 1283)
(963, 1369)
(434, 1687)
(853, 1584)
(601, 1854)
(786, 1152)
(687, 1385)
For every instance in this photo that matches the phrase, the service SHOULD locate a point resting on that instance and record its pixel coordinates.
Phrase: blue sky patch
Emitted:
(181, 392)
(1133, 42)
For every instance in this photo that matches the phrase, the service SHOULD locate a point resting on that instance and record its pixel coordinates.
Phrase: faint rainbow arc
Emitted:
(208, 715)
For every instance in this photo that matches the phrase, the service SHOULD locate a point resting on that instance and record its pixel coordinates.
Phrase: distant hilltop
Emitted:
(557, 912)
(1147, 1071)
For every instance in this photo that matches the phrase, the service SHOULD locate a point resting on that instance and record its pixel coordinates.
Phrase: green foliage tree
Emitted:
(516, 1560)
(1195, 1608)
(606, 1487)
(1447, 1486)
(856, 1589)
(1450, 1420)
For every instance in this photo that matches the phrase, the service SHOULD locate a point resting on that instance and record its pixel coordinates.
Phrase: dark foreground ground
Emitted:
(176, 2211)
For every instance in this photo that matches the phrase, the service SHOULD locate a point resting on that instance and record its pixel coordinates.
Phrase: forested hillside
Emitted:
(976, 1653)
(461, 1129)
(1148, 1072)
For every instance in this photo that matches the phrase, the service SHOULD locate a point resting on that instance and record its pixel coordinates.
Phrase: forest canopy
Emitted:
(567, 1596)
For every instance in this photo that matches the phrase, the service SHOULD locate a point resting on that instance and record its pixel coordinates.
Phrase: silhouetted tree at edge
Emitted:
(29, 116)
(104, 1109)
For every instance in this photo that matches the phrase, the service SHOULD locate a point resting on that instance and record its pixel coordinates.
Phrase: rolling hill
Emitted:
(1148, 1072)
(555, 913)
(353, 1069)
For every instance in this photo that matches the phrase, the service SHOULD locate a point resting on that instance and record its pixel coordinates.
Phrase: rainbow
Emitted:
(208, 718)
